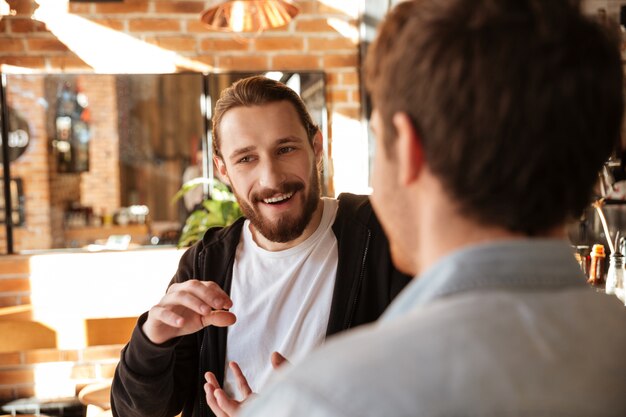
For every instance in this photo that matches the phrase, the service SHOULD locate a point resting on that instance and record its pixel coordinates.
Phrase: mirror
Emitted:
(105, 153)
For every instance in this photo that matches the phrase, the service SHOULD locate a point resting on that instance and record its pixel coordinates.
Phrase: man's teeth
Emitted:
(278, 198)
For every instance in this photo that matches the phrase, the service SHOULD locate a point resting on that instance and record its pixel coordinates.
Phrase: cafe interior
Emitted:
(106, 107)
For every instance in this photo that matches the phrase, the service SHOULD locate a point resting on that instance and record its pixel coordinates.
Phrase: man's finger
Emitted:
(242, 382)
(211, 379)
(208, 292)
(226, 403)
(219, 318)
(278, 360)
(209, 389)
(166, 316)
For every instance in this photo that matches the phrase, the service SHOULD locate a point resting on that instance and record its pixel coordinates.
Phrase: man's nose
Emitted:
(270, 174)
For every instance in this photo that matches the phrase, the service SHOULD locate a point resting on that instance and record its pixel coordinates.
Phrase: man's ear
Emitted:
(221, 169)
(318, 149)
(410, 152)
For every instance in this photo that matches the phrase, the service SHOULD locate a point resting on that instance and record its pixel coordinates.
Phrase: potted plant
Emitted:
(220, 209)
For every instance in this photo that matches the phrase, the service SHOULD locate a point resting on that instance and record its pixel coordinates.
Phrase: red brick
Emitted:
(16, 376)
(175, 43)
(67, 62)
(196, 26)
(24, 25)
(8, 301)
(25, 392)
(11, 45)
(242, 63)
(128, 6)
(115, 24)
(330, 44)
(179, 6)
(83, 372)
(102, 353)
(14, 285)
(327, 9)
(224, 45)
(14, 264)
(154, 25)
(340, 61)
(314, 25)
(355, 96)
(337, 96)
(46, 45)
(79, 8)
(206, 59)
(293, 62)
(350, 78)
(7, 394)
(11, 358)
(50, 355)
(278, 44)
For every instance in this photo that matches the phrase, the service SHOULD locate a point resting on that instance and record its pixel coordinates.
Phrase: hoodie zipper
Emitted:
(201, 360)
(361, 276)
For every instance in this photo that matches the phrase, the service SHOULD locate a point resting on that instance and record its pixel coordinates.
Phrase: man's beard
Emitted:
(286, 228)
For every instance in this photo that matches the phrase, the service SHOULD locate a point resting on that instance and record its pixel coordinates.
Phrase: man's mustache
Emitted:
(285, 188)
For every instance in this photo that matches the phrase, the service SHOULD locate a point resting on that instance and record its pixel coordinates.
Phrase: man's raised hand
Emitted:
(186, 308)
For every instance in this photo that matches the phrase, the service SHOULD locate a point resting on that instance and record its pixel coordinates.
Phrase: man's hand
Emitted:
(220, 402)
(278, 360)
(186, 308)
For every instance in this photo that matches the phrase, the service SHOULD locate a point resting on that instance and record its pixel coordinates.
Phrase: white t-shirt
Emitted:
(281, 300)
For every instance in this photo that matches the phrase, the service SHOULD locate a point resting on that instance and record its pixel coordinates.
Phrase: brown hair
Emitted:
(517, 103)
(256, 91)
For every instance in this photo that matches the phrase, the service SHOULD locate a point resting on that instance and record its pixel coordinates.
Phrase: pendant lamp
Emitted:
(241, 16)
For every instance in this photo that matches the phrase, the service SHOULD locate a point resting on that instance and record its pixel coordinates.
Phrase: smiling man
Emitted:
(294, 270)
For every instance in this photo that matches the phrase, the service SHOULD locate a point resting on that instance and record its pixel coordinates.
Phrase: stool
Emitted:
(58, 407)
(97, 398)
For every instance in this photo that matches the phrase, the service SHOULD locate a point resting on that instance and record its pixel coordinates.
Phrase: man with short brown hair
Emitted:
(492, 119)
(296, 269)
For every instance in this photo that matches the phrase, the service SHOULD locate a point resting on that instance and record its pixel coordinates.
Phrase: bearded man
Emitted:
(294, 270)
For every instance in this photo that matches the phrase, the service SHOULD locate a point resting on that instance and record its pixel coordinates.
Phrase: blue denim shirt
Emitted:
(502, 329)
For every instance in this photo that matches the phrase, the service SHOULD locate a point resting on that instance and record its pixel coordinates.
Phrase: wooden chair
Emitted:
(24, 335)
(19, 335)
(109, 331)
(20, 312)
(97, 398)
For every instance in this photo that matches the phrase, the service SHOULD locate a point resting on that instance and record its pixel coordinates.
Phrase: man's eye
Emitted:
(244, 160)
(286, 149)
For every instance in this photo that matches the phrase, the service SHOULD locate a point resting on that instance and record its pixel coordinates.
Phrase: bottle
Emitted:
(596, 269)
(615, 276)
(583, 258)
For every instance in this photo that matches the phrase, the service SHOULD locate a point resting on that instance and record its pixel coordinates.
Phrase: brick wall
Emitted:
(32, 166)
(65, 293)
(19, 370)
(322, 37)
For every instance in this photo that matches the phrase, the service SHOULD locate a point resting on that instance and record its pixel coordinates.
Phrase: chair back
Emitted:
(19, 335)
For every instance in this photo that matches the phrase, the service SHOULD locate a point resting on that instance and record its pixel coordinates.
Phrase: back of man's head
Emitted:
(517, 103)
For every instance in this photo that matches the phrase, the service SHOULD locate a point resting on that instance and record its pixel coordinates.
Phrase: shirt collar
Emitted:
(524, 264)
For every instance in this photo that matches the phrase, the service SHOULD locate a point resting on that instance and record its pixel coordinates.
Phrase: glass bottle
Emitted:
(615, 275)
(596, 269)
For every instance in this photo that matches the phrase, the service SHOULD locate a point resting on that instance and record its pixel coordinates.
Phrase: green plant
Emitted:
(221, 209)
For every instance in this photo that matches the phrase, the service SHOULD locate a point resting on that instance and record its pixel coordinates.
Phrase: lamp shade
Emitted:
(249, 15)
